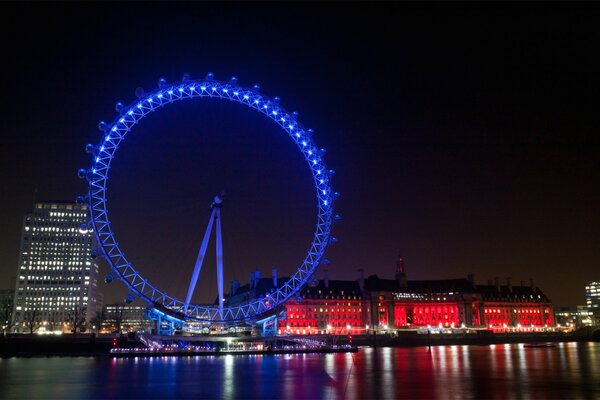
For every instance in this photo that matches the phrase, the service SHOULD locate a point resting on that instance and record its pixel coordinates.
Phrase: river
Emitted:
(567, 371)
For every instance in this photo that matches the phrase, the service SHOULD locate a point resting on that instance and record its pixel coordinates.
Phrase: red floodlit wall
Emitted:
(318, 316)
(423, 314)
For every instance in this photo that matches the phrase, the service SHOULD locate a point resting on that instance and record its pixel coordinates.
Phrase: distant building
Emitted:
(361, 305)
(573, 317)
(454, 303)
(326, 306)
(124, 318)
(55, 275)
(592, 299)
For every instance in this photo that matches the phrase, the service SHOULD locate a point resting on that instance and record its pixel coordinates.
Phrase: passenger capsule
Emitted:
(108, 278)
(102, 126)
(119, 107)
(89, 148)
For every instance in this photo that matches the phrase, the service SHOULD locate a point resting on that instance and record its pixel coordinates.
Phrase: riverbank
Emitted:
(91, 345)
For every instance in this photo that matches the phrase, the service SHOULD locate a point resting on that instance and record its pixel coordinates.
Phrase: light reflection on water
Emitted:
(569, 370)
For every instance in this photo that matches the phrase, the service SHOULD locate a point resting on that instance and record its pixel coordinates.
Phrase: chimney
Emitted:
(326, 278)
(252, 280)
(256, 277)
(531, 283)
(471, 278)
(235, 285)
(274, 272)
(497, 283)
(508, 285)
(361, 280)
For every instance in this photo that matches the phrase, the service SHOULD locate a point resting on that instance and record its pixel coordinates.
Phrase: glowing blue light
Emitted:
(259, 103)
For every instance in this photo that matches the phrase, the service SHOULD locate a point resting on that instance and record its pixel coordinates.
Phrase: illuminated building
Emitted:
(326, 306)
(454, 303)
(363, 305)
(592, 299)
(124, 318)
(56, 277)
(573, 317)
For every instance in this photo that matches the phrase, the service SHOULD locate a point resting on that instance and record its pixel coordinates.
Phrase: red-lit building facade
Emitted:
(455, 303)
(358, 306)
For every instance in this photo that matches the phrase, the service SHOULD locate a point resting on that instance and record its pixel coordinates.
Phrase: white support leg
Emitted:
(201, 255)
(219, 261)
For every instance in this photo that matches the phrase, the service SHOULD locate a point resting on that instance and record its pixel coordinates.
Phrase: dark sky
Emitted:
(464, 136)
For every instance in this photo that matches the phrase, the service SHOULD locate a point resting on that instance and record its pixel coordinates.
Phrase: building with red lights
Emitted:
(361, 305)
(454, 303)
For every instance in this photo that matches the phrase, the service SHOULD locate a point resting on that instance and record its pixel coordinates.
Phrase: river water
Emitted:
(568, 371)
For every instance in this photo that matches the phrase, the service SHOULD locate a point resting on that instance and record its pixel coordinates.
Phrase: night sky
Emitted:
(464, 136)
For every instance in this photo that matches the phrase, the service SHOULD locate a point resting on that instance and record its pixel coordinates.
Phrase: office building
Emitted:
(56, 278)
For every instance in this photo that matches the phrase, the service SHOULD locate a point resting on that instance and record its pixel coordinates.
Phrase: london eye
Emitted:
(129, 117)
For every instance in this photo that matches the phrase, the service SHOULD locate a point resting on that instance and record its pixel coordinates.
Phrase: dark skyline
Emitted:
(464, 136)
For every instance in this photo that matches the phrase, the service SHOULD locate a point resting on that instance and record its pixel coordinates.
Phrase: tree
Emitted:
(118, 316)
(6, 314)
(31, 319)
(54, 321)
(76, 319)
(97, 321)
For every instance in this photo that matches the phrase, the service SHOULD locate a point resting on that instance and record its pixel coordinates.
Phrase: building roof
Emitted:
(333, 287)
(375, 284)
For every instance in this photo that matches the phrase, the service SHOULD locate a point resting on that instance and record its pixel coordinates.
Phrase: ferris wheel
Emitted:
(108, 247)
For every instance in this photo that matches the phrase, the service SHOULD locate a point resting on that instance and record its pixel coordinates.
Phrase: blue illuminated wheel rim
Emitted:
(131, 115)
